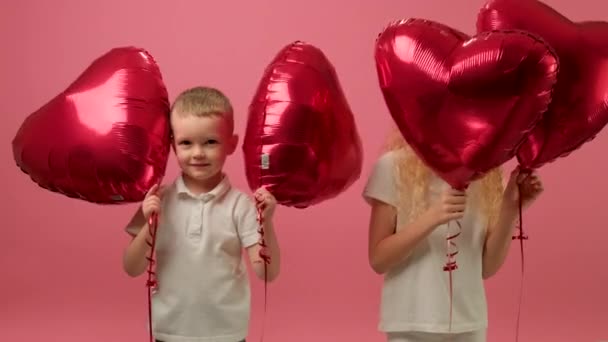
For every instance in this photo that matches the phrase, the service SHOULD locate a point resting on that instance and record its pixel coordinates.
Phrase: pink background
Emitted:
(60, 259)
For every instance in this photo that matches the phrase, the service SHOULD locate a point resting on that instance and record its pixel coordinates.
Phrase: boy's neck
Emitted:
(198, 187)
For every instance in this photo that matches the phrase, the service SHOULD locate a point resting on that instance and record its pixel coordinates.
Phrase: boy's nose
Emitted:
(198, 153)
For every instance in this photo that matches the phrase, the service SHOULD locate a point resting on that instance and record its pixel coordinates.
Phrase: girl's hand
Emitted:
(525, 184)
(449, 207)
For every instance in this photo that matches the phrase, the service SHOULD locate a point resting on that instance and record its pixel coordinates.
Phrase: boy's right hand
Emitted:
(151, 203)
(449, 207)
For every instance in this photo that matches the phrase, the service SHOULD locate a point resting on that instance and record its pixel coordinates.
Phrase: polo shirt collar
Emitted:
(220, 189)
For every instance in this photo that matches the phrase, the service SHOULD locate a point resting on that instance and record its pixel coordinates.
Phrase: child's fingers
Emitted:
(260, 200)
(521, 178)
(152, 190)
(261, 193)
(515, 173)
(455, 216)
(456, 208)
(161, 190)
(533, 182)
(523, 175)
(454, 192)
(456, 200)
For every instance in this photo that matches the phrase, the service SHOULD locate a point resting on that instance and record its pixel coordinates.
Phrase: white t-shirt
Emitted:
(203, 292)
(415, 294)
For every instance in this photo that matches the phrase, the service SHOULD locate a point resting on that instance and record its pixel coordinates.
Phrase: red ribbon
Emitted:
(451, 265)
(265, 258)
(521, 237)
(151, 283)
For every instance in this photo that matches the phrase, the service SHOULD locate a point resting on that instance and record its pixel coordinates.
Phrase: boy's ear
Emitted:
(172, 142)
(234, 142)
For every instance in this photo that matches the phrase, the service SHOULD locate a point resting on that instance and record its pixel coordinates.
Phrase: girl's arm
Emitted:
(388, 247)
(498, 238)
(498, 241)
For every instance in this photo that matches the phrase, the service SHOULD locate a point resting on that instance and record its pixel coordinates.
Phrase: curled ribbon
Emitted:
(265, 258)
(151, 283)
(521, 237)
(451, 265)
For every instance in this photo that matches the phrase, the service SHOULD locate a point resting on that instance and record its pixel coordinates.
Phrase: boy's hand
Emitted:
(266, 202)
(151, 203)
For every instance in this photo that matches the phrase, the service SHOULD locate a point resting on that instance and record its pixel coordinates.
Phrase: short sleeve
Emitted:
(246, 221)
(136, 223)
(381, 184)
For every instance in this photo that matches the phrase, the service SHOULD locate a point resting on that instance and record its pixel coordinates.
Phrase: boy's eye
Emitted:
(185, 142)
(212, 142)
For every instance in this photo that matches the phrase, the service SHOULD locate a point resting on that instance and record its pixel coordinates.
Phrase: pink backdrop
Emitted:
(60, 259)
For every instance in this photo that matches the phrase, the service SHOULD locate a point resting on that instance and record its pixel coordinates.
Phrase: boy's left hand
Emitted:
(529, 184)
(266, 202)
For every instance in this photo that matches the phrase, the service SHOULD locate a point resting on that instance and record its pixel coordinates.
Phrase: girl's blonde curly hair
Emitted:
(412, 177)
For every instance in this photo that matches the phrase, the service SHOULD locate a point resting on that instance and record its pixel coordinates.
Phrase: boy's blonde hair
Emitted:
(412, 177)
(204, 101)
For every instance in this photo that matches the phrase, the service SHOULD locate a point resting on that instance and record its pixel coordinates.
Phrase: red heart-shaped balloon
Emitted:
(301, 141)
(463, 104)
(579, 110)
(106, 138)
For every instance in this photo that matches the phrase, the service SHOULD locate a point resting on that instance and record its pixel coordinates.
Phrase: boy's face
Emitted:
(202, 144)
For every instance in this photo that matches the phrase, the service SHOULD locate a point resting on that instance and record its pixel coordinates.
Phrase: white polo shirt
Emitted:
(415, 294)
(203, 290)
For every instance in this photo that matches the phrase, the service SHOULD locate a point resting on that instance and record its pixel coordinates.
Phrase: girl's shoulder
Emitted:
(388, 158)
(383, 165)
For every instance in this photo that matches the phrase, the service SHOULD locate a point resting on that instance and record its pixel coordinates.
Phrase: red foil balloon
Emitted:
(463, 104)
(301, 141)
(579, 110)
(106, 138)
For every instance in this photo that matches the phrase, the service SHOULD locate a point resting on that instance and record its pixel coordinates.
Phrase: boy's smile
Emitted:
(202, 144)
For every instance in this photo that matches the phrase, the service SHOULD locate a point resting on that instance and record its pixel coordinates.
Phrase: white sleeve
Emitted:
(247, 221)
(381, 184)
(136, 223)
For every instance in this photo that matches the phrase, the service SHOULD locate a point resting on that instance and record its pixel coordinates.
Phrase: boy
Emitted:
(203, 290)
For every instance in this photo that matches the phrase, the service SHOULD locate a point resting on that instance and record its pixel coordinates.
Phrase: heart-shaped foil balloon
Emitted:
(579, 110)
(106, 138)
(463, 104)
(301, 141)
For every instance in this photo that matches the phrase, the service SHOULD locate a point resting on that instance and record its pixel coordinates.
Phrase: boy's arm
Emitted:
(247, 227)
(272, 250)
(135, 260)
(135, 256)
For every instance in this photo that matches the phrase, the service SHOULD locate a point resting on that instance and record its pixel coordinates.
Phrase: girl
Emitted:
(410, 211)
